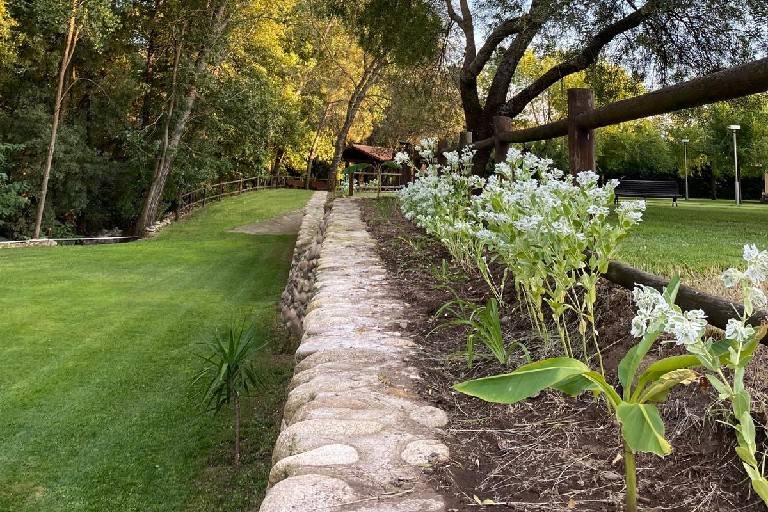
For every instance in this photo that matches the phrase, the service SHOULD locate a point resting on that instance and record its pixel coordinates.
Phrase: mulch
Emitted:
(552, 452)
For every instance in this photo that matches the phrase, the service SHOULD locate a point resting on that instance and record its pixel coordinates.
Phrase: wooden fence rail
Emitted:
(579, 127)
(214, 191)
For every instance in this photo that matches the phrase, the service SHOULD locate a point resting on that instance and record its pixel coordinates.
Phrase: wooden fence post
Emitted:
(465, 139)
(442, 147)
(378, 191)
(501, 148)
(177, 212)
(581, 141)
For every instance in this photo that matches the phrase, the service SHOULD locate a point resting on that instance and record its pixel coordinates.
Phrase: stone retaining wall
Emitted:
(298, 290)
(355, 437)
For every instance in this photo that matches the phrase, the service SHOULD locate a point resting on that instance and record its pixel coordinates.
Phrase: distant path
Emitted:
(286, 224)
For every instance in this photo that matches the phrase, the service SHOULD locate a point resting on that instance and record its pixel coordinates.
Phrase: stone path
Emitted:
(355, 436)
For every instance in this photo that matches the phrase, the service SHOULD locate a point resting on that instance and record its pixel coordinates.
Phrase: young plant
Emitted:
(484, 326)
(228, 372)
(642, 429)
(734, 353)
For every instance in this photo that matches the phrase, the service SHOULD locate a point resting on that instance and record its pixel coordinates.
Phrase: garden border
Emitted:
(356, 435)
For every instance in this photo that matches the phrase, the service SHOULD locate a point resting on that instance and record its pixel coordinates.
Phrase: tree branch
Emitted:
(581, 61)
(505, 29)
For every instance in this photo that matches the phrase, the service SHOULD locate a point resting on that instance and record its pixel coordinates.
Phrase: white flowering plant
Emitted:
(439, 201)
(556, 236)
(724, 362)
(642, 428)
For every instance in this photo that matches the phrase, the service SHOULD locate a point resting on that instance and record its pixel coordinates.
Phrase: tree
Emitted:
(677, 35)
(229, 374)
(84, 17)
(204, 32)
(400, 33)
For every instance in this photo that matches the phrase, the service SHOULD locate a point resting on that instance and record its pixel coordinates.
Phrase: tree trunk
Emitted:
(237, 430)
(66, 58)
(170, 146)
(313, 147)
(370, 75)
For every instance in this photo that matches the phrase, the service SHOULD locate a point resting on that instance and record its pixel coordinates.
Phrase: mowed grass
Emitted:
(699, 239)
(97, 349)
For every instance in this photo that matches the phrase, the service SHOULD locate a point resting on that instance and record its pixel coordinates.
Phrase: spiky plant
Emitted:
(229, 372)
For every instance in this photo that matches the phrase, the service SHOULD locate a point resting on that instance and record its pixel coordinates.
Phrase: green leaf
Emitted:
(659, 368)
(527, 381)
(634, 356)
(759, 483)
(643, 429)
(576, 385)
(670, 292)
(659, 389)
(721, 388)
(606, 388)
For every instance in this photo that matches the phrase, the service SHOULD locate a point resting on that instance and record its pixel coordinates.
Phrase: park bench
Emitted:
(647, 188)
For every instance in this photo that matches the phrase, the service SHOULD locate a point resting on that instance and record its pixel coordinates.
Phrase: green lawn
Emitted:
(698, 239)
(97, 348)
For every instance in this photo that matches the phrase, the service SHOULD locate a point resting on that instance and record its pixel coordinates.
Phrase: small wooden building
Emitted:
(363, 154)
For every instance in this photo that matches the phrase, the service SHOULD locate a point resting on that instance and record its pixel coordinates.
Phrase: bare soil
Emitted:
(551, 452)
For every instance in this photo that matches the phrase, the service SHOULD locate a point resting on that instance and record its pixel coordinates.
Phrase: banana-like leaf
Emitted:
(659, 389)
(642, 428)
(576, 385)
(659, 368)
(634, 356)
(525, 382)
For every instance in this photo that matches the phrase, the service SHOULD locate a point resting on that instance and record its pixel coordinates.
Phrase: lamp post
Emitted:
(737, 188)
(685, 153)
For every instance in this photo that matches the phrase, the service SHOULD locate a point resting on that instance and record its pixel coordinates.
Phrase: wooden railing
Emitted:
(379, 176)
(579, 127)
(215, 191)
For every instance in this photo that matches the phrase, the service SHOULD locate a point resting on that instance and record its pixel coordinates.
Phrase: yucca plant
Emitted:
(229, 372)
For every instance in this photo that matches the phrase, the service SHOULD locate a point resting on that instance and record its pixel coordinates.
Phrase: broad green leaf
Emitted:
(525, 382)
(643, 429)
(606, 388)
(634, 356)
(659, 368)
(659, 389)
(576, 385)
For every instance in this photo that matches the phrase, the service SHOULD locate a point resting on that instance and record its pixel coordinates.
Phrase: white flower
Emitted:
(529, 222)
(732, 277)
(586, 178)
(758, 298)
(513, 155)
(562, 226)
(402, 158)
(735, 330)
(632, 210)
(687, 328)
(651, 307)
(452, 159)
(756, 274)
(597, 211)
(751, 254)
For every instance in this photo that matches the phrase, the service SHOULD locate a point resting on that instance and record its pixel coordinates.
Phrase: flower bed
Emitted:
(551, 237)
(553, 452)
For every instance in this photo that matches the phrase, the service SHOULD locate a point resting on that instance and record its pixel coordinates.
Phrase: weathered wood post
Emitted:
(581, 141)
(442, 147)
(204, 189)
(351, 178)
(177, 210)
(378, 181)
(500, 149)
(465, 139)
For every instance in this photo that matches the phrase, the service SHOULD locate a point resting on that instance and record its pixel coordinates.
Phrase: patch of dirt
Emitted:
(286, 224)
(552, 452)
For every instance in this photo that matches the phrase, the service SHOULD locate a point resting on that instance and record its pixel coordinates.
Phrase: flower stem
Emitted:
(630, 476)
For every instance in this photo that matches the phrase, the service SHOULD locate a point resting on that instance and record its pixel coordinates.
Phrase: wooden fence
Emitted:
(579, 126)
(378, 187)
(215, 191)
